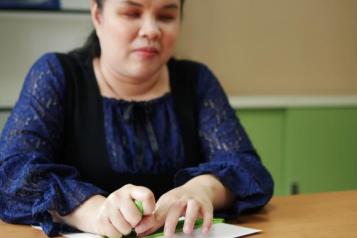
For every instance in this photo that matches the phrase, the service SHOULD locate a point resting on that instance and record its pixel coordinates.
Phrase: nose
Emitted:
(150, 29)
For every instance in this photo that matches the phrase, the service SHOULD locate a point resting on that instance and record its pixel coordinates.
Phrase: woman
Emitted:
(90, 124)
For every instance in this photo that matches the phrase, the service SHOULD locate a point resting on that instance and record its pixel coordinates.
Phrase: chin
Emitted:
(144, 70)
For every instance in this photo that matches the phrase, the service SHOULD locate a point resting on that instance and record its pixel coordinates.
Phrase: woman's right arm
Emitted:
(37, 190)
(112, 216)
(32, 184)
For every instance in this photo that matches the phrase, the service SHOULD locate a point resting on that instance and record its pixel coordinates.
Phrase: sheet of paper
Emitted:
(81, 235)
(219, 230)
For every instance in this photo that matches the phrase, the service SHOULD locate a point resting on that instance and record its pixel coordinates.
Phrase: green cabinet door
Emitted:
(321, 149)
(265, 128)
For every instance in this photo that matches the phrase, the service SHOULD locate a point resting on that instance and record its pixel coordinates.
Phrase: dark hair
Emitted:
(92, 45)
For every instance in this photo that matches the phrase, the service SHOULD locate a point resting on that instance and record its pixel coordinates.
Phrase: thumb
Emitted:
(147, 225)
(146, 197)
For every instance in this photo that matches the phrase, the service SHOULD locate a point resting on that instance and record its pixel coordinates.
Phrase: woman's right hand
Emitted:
(113, 216)
(118, 213)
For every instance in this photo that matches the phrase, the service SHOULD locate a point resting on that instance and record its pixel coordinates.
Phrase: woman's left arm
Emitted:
(219, 195)
(227, 152)
(197, 198)
(231, 178)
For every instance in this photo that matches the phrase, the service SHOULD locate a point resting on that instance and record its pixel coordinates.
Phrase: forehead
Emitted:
(144, 3)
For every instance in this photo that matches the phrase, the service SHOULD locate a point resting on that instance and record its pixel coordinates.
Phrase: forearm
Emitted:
(220, 196)
(83, 216)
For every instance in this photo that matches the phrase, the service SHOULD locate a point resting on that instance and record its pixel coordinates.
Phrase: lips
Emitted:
(147, 51)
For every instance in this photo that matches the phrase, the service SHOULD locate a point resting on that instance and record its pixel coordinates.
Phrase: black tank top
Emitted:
(84, 137)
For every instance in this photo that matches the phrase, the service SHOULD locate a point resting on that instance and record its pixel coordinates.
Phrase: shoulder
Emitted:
(203, 74)
(46, 67)
(55, 60)
(207, 84)
(52, 67)
(45, 61)
(45, 76)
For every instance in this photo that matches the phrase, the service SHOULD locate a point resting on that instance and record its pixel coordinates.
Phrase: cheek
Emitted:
(120, 34)
(171, 38)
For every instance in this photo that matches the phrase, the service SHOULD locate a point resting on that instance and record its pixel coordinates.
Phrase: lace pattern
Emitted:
(32, 183)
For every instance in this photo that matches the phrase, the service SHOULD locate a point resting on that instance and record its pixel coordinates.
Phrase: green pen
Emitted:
(139, 206)
(179, 227)
(160, 232)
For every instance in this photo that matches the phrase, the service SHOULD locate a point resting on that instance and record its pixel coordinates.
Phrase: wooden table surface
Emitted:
(314, 215)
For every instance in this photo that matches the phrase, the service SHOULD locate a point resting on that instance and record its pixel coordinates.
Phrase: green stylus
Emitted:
(160, 232)
(179, 227)
(139, 205)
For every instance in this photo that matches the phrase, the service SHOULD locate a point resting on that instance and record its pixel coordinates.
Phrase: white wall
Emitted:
(25, 36)
(255, 47)
(275, 47)
(3, 117)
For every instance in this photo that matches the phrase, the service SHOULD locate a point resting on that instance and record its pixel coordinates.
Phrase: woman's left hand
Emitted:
(188, 201)
(195, 199)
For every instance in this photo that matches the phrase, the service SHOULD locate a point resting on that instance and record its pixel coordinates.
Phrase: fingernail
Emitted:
(187, 230)
(168, 233)
(205, 230)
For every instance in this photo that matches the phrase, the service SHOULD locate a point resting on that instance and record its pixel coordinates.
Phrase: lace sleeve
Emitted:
(31, 183)
(227, 150)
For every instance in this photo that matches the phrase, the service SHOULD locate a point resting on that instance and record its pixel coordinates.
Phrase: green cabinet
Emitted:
(321, 149)
(266, 130)
(314, 149)
(306, 149)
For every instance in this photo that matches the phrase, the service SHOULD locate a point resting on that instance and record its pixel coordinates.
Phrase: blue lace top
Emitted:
(32, 184)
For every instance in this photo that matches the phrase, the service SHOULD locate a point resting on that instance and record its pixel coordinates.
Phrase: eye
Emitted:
(132, 14)
(166, 18)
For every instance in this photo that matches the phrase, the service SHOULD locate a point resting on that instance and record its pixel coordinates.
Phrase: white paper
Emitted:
(219, 230)
(81, 235)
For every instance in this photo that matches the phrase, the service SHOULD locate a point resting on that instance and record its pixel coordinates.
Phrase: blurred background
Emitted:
(289, 68)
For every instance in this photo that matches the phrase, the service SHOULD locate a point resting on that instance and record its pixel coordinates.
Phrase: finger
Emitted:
(172, 217)
(207, 213)
(162, 207)
(123, 199)
(107, 229)
(148, 232)
(146, 196)
(146, 224)
(129, 211)
(192, 210)
(153, 222)
(117, 220)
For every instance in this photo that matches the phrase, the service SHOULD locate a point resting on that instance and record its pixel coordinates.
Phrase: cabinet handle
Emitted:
(294, 188)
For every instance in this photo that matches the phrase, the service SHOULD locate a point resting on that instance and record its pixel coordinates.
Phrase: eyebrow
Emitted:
(131, 3)
(170, 6)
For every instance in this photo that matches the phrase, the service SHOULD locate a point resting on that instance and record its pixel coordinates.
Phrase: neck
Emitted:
(134, 89)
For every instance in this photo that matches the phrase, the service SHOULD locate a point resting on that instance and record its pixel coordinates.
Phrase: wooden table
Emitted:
(314, 215)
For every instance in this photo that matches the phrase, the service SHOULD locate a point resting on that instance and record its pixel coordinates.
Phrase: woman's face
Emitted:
(137, 37)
